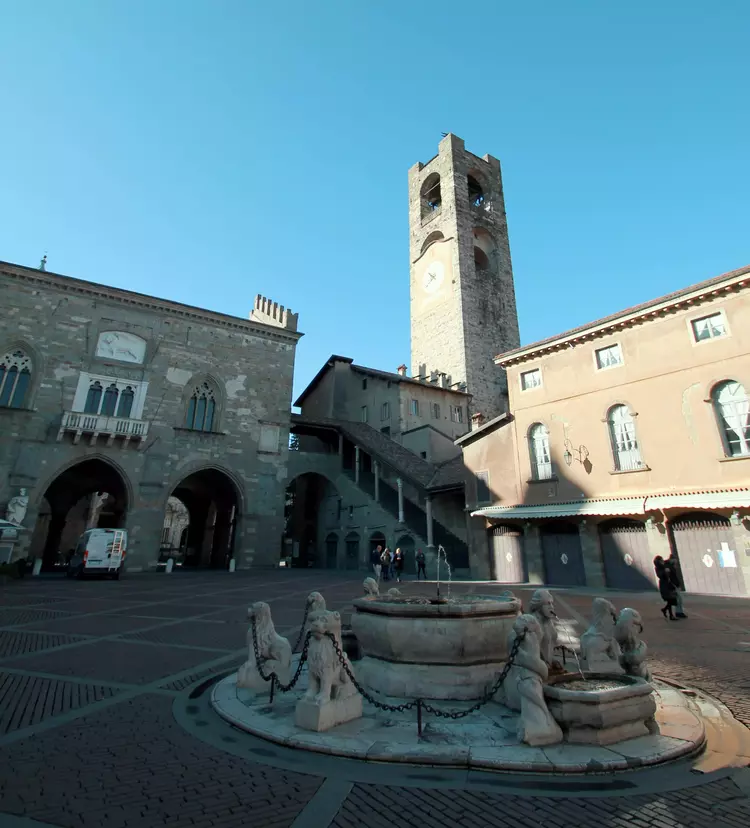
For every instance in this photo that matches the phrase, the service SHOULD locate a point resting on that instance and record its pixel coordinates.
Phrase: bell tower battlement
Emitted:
(463, 305)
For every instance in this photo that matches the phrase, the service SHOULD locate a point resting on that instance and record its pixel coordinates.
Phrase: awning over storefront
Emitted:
(619, 506)
(641, 505)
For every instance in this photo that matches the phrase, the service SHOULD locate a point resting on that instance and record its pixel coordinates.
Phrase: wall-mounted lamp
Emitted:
(580, 454)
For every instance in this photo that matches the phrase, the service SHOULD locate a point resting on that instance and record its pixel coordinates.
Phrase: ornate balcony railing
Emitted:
(101, 424)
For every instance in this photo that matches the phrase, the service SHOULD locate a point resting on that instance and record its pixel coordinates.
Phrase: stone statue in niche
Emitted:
(599, 648)
(633, 649)
(542, 607)
(274, 652)
(17, 506)
(524, 686)
(331, 698)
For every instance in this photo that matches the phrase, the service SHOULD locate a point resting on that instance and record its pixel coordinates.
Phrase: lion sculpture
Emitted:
(370, 586)
(524, 685)
(628, 635)
(274, 652)
(598, 645)
(542, 607)
(327, 678)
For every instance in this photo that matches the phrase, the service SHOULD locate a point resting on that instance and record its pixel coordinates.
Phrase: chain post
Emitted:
(419, 718)
(273, 687)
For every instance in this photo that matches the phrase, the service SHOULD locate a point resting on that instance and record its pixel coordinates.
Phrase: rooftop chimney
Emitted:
(402, 370)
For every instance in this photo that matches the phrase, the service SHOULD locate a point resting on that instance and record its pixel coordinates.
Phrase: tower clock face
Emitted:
(433, 277)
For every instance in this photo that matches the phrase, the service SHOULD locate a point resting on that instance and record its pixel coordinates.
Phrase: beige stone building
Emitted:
(625, 438)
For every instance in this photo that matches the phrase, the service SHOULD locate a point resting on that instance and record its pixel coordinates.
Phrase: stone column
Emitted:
(400, 483)
(356, 464)
(376, 472)
(428, 512)
(532, 550)
(741, 533)
(593, 565)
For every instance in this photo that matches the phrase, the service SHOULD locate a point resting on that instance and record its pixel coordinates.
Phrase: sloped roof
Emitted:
(449, 475)
(666, 301)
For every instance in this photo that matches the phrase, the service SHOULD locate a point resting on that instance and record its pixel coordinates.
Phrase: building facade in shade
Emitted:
(112, 402)
(463, 305)
(627, 438)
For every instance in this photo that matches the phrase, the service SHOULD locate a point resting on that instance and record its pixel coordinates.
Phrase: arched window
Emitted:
(541, 462)
(15, 379)
(109, 404)
(481, 261)
(625, 451)
(476, 194)
(127, 395)
(484, 250)
(93, 398)
(732, 406)
(429, 195)
(201, 408)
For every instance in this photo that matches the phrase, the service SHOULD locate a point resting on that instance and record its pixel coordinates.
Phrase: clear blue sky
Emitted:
(209, 150)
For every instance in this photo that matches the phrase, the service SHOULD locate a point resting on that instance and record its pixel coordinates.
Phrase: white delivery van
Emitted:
(99, 552)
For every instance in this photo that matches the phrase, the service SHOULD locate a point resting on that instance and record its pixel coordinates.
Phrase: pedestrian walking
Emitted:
(375, 561)
(675, 575)
(666, 586)
(385, 560)
(398, 563)
(421, 564)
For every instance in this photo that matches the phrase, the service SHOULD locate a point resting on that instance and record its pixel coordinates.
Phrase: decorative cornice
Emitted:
(93, 290)
(694, 296)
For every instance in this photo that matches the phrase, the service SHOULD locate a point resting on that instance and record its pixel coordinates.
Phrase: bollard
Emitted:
(419, 718)
(37, 567)
(170, 565)
(232, 564)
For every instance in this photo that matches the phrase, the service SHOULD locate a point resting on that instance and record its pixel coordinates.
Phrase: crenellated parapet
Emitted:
(272, 313)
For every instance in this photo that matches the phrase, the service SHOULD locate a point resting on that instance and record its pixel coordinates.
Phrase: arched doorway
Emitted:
(708, 554)
(88, 495)
(175, 532)
(352, 551)
(506, 554)
(312, 510)
(211, 501)
(406, 544)
(626, 555)
(563, 557)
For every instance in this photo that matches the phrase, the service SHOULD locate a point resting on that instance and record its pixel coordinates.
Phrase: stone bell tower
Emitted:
(463, 304)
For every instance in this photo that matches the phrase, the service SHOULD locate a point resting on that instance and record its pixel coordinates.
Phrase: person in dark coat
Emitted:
(667, 588)
(673, 565)
(398, 564)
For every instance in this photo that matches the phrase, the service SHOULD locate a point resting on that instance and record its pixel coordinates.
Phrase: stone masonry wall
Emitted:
(58, 320)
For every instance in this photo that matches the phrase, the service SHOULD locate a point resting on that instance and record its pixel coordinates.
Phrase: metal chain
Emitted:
(302, 628)
(446, 714)
(302, 659)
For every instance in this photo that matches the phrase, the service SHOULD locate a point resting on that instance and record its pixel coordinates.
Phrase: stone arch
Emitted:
(89, 492)
(214, 498)
(37, 366)
(475, 187)
(312, 512)
(429, 195)
(433, 237)
(484, 250)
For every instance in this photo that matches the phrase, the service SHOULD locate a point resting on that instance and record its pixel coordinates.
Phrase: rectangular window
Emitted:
(385, 411)
(386, 430)
(414, 408)
(457, 414)
(609, 357)
(364, 413)
(531, 379)
(436, 410)
(483, 487)
(709, 327)
(364, 385)
(109, 396)
(423, 455)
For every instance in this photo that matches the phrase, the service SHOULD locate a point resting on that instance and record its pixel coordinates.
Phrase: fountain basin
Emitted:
(413, 648)
(603, 709)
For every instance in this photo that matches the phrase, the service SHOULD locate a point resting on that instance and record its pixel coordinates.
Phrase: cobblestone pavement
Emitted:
(89, 672)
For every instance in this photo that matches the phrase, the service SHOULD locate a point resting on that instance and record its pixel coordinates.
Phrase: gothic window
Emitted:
(127, 395)
(541, 462)
(430, 195)
(625, 450)
(15, 378)
(93, 398)
(109, 404)
(732, 406)
(201, 408)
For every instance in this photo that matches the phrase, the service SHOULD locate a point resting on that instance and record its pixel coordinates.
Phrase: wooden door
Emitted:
(561, 550)
(628, 562)
(708, 554)
(506, 554)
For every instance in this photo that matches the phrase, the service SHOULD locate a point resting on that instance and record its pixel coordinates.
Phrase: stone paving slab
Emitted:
(98, 625)
(15, 643)
(20, 615)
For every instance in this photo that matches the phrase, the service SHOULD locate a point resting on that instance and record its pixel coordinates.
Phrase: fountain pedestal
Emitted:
(603, 709)
(414, 648)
